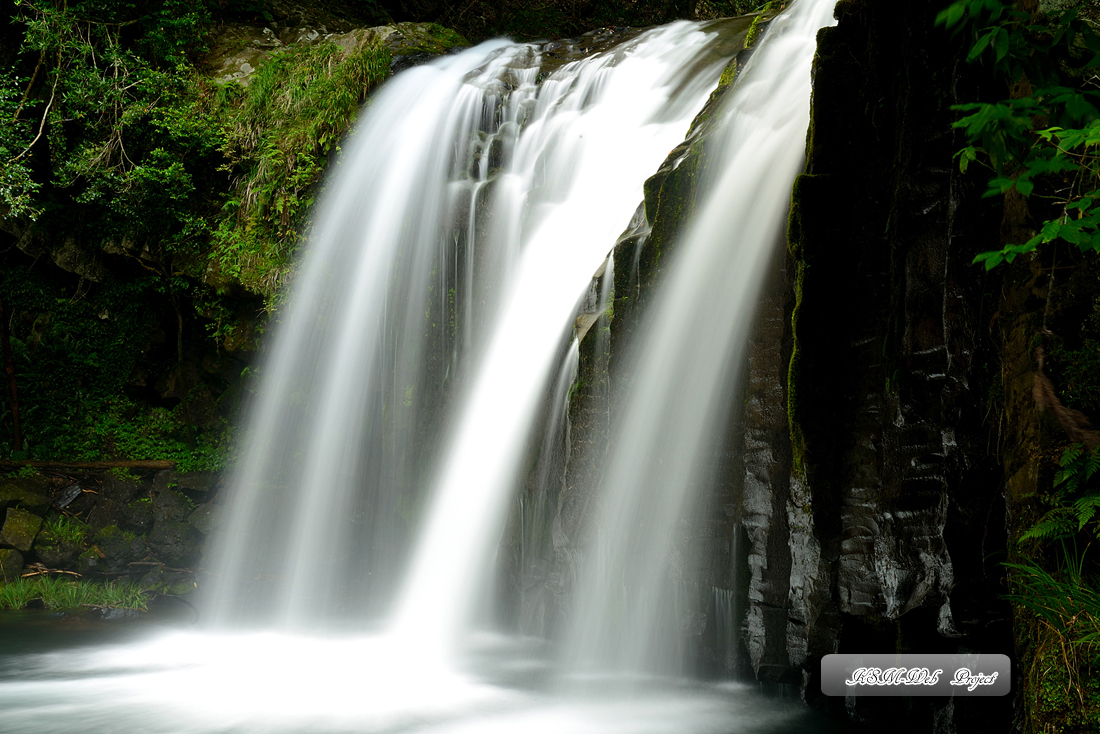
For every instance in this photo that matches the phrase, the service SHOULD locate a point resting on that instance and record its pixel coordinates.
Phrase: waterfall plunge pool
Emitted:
(61, 675)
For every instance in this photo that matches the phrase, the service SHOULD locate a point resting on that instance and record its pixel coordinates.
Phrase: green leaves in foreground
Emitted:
(1041, 144)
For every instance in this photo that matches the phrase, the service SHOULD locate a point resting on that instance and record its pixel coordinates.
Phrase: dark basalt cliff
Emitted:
(896, 508)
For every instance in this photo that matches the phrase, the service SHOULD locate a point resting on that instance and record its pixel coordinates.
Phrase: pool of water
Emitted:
(75, 673)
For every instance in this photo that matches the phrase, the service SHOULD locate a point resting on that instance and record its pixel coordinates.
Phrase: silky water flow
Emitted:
(429, 324)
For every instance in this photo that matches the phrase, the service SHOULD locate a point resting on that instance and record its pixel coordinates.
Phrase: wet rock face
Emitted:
(764, 493)
(894, 502)
(173, 543)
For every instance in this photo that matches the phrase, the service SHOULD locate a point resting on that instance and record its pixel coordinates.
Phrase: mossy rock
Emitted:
(169, 583)
(11, 564)
(106, 513)
(19, 494)
(112, 551)
(20, 529)
(1064, 690)
(173, 543)
(196, 481)
(120, 489)
(206, 518)
(171, 506)
(138, 515)
(56, 553)
(403, 39)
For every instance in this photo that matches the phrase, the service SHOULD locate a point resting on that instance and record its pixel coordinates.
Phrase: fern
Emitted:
(1075, 503)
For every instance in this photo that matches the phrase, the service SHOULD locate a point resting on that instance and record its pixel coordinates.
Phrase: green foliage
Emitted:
(136, 135)
(113, 141)
(123, 121)
(1075, 502)
(278, 132)
(124, 475)
(17, 186)
(1061, 689)
(74, 356)
(1043, 143)
(62, 593)
(67, 529)
(1077, 374)
(1067, 601)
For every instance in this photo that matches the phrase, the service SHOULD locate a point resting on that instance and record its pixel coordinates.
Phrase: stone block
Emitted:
(20, 529)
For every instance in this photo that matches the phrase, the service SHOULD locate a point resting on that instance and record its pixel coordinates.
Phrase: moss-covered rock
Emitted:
(171, 506)
(19, 530)
(120, 488)
(55, 553)
(106, 513)
(206, 518)
(173, 543)
(169, 583)
(112, 551)
(11, 564)
(138, 515)
(32, 496)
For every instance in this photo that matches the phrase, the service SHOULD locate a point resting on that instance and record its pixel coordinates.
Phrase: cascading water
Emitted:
(462, 228)
(684, 375)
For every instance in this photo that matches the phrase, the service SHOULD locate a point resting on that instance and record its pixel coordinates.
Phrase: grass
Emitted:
(1062, 671)
(61, 593)
(67, 529)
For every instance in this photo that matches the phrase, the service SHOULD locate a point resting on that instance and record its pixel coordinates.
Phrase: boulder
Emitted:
(196, 481)
(57, 555)
(206, 518)
(138, 515)
(107, 512)
(171, 506)
(11, 564)
(169, 583)
(55, 550)
(20, 495)
(112, 551)
(119, 489)
(173, 543)
(20, 529)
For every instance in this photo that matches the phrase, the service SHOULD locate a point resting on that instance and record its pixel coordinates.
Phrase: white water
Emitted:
(599, 128)
(358, 366)
(691, 348)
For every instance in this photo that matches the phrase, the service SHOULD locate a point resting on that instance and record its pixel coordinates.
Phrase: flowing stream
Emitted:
(427, 337)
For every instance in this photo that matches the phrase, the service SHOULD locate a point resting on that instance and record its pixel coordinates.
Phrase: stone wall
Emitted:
(108, 527)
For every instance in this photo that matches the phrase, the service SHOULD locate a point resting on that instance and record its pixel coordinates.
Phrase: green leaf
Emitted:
(979, 46)
(1000, 44)
(952, 15)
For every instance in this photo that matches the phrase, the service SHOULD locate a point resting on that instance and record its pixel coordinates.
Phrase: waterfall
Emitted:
(466, 221)
(690, 349)
(432, 325)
